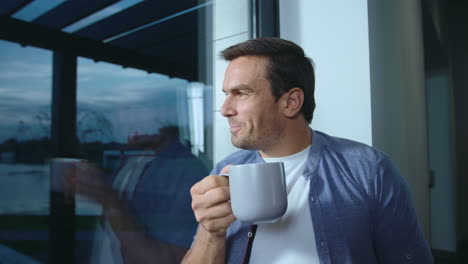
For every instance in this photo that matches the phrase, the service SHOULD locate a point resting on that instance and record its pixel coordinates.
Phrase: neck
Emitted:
(294, 139)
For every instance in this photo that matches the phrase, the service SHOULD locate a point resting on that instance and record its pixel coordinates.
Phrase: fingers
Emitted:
(210, 203)
(212, 213)
(226, 168)
(86, 179)
(99, 194)
(211, 198)
(88, 189)
(90, 174)
(209, 183)
(69, 175)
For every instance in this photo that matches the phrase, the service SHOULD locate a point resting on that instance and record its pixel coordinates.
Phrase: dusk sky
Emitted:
(131, 99)
(25, 86)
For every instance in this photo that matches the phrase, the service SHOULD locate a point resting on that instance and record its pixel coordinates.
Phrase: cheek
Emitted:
(247, 114)
(258, 116)
(264, 119)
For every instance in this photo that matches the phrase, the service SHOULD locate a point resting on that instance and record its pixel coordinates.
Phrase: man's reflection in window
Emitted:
(147, 216)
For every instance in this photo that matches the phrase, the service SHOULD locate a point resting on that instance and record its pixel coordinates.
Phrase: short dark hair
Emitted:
(288, 67)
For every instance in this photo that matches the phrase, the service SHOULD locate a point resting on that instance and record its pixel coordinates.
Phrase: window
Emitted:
(25, 105)
(145, 134)
(143, 127)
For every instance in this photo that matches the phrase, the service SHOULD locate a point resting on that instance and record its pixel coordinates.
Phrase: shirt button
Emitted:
(312, 199)
(322, 243)
(249, 234)
(409, 257)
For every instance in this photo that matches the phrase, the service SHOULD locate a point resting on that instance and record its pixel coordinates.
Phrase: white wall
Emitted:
(398, 94)
(335, 35)
(370, 78)
(230, 27)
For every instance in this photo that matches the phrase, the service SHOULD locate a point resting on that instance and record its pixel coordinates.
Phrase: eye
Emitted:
(242, 93)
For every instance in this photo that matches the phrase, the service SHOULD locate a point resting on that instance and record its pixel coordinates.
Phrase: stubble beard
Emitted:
(244, 143)
(262, 140)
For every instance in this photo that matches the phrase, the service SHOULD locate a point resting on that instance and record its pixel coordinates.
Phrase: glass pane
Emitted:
(25, 103)
(145, 141)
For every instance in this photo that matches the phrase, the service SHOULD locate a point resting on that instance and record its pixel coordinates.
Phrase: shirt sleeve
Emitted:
(397, 234)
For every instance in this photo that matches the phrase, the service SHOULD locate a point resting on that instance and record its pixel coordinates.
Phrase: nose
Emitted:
(227, 109)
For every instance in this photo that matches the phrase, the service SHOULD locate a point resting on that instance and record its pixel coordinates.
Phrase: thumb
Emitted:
(226, 168)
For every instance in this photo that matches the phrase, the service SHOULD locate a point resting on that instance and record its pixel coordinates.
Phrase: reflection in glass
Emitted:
(143, 135)
(144, 138)
(25, 103)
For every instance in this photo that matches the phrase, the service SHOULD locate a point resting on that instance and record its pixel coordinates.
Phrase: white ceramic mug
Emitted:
(258, 192)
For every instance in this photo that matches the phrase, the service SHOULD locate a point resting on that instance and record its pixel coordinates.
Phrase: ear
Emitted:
(293, 101)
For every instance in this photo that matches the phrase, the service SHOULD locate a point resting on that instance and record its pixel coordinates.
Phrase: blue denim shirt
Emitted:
(360, 206)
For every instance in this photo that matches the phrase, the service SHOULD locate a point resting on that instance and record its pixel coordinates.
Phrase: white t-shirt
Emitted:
(291, 239)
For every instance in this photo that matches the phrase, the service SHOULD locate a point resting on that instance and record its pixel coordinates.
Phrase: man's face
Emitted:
(253, 115)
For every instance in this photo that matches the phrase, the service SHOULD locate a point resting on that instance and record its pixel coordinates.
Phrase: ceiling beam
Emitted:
(70, 12)
(9, 7)
(28, 34)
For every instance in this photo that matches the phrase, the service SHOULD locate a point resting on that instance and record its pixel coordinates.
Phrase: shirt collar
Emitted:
(314, 155)
(313, 158)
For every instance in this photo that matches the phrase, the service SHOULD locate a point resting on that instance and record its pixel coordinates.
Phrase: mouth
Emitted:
(234, 127)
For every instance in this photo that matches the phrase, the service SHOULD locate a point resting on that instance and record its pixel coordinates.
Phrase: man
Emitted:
(146, 210)
(347, 203)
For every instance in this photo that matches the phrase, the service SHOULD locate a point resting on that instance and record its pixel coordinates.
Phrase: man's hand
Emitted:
(210, 203)
(88, 180)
